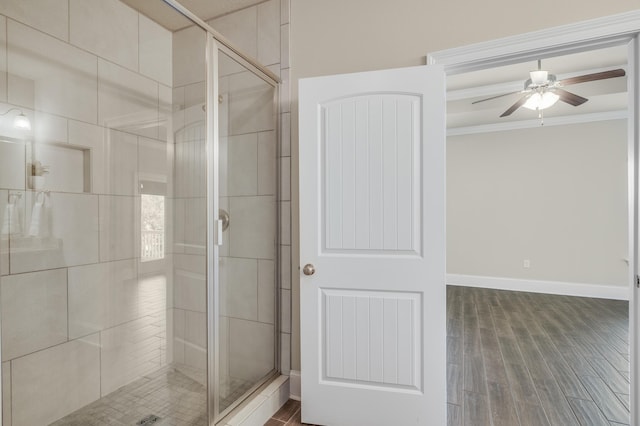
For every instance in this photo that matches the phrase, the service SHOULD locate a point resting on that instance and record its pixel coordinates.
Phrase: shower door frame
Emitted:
(217, 43)
(214, 230)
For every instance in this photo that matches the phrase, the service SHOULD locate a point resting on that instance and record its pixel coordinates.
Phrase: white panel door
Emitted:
(372, 229)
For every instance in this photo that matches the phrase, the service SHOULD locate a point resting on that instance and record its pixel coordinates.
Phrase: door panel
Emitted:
(371, 338)
(372, 226)
(372, 194)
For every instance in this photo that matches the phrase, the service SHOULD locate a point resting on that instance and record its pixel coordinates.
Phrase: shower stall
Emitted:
(140, 245)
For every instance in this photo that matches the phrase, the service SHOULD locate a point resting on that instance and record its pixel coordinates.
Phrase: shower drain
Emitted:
(148, 420)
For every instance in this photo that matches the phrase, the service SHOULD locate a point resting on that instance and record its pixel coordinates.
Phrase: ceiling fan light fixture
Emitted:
(538, 101)
(543, 90)
(539, 77)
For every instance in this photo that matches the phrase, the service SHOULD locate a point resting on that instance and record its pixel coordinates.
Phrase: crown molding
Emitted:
(548, 122)
(586, 35)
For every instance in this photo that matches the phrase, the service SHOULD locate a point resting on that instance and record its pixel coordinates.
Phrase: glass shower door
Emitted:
(102, 215)
(248, 208)
(107, 305)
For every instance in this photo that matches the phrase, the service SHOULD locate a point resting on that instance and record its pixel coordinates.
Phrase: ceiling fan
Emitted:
(542, 90)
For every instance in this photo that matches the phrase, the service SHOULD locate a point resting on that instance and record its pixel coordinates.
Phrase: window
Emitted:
(152, 227)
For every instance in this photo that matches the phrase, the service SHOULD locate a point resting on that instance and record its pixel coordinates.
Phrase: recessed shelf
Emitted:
(61, 168)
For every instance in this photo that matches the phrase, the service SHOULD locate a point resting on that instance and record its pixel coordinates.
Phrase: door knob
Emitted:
(224, 217)
(308, 269)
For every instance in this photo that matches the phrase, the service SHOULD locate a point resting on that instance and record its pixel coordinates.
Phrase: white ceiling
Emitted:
(603, 95)
(158, 11)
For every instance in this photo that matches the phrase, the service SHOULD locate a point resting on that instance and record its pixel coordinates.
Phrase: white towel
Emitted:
(39, 217)
(6, 219)
(11, 221)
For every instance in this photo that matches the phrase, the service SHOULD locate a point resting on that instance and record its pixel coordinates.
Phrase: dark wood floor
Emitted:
(525, 359)
(288, 415)
(535, 359)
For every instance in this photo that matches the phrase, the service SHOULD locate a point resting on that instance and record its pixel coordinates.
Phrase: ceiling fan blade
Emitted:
(515, 106)
(570, 98)
(495, 97)
(592, 77)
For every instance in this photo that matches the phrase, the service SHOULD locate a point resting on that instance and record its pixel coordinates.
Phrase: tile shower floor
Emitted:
(175, 398)
(167, 393)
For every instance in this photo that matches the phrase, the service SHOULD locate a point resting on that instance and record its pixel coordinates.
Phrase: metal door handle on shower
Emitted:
(224, 217)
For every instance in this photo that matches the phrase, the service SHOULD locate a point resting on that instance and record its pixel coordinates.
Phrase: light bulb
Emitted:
(21, 122)
(542, 100)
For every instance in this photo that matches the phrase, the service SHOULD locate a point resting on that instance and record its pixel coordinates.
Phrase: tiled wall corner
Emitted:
(241, 28)
(269, 32)
(285, 190)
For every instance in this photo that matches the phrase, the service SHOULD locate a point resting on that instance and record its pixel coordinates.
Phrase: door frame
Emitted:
(573, 38)
(214, 47)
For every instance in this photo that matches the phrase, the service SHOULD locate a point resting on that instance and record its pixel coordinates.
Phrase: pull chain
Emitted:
(541, 116)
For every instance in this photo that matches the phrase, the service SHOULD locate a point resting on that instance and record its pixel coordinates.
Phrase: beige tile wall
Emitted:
(61, 380)
(102, 295)
(81, 315)
(97, 76)
(34, 316)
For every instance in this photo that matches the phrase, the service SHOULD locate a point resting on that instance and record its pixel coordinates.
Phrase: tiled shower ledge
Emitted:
(264, 405)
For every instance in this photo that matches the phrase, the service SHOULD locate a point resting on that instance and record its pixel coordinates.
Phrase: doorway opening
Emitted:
(608, 110)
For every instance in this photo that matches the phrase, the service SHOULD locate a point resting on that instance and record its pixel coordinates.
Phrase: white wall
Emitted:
(556, 196)
(334, 36)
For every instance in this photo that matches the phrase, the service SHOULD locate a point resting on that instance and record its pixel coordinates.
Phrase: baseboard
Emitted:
(534, 286)
(295, 384)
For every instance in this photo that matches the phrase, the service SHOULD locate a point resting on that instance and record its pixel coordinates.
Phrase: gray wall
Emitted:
(554, 195)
